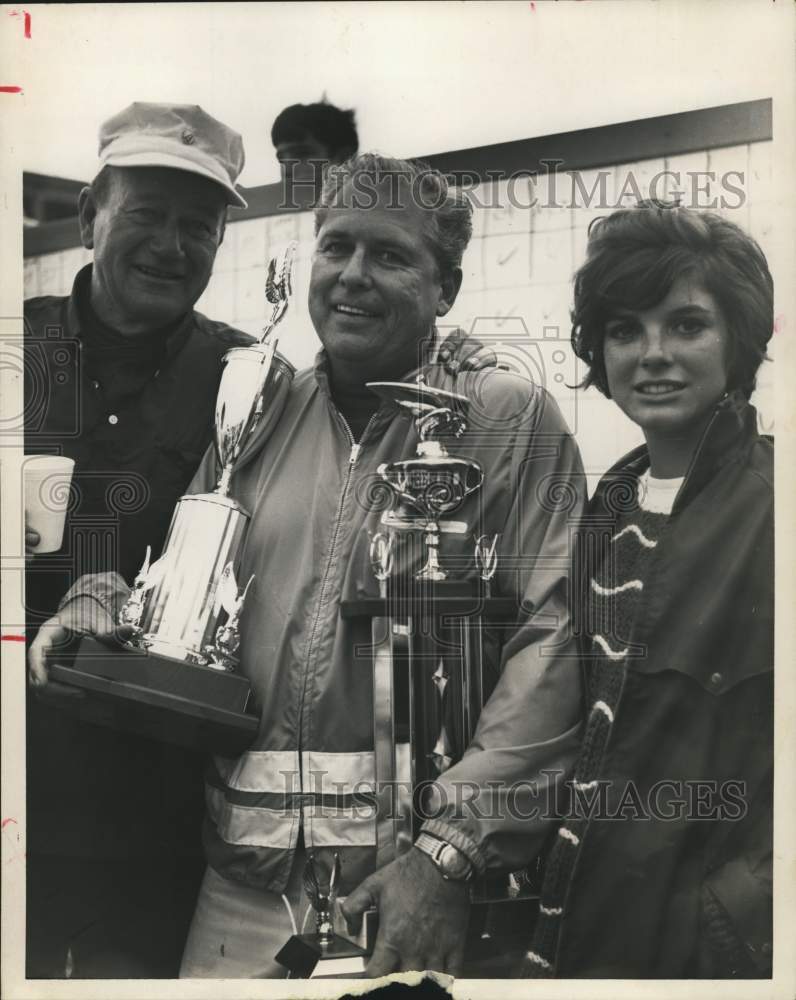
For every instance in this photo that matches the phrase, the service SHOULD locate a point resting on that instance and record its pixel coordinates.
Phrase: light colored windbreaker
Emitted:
(315, 502)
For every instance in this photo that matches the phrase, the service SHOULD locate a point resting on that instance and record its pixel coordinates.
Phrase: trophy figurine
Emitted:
(185, 607)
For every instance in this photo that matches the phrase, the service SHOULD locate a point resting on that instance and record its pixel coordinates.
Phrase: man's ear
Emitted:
(86, 213)
(450, 283)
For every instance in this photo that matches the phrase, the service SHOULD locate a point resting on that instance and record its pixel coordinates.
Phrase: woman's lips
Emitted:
(658, 388)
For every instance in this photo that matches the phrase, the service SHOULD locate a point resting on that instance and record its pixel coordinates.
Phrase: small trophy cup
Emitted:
(322, 953)
(433, 483)
(185, 607)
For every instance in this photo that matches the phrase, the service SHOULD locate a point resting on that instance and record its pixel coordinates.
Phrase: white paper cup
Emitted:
(47, 480)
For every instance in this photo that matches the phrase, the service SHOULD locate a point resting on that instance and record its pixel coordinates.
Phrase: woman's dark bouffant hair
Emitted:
(635, 255)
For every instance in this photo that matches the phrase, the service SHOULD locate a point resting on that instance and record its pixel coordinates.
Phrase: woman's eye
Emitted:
(689, 327)
(620, 331)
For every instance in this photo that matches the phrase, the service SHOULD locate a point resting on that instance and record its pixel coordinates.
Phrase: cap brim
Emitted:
(173, 163)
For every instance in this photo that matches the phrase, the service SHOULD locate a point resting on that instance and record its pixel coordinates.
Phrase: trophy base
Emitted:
(158, 698)
(305, 957)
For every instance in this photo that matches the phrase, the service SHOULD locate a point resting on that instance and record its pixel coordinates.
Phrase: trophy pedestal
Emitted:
(306, 957)
(156, 697)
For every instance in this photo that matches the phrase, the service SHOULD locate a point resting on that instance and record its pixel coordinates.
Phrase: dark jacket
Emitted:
(688, 896)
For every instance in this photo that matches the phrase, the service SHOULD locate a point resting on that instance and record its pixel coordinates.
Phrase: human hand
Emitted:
(32, 539)
(422, 917)
(53, 634)
(460, 353)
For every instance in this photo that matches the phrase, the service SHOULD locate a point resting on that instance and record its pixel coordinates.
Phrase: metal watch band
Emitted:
(435, 849)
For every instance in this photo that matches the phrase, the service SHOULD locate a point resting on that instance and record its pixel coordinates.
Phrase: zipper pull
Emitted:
(355, 449)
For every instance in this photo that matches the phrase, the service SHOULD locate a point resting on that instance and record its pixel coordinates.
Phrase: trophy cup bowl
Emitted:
(430, 484)
(433, 483)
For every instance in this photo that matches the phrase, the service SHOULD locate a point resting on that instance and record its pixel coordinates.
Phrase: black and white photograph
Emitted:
(391, 581)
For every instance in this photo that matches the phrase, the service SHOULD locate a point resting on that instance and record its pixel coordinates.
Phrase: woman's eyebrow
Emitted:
(690, 309)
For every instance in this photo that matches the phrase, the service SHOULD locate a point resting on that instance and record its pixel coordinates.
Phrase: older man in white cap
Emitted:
(122, 377)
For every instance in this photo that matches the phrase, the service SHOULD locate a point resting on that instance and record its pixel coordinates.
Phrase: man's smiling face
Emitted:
(376, 289)
(155, 234)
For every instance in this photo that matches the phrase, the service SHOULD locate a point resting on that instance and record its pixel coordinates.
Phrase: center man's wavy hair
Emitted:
(449, 213)
(633, 258)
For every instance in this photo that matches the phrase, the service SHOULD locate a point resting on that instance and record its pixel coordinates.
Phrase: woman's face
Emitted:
(667, 366)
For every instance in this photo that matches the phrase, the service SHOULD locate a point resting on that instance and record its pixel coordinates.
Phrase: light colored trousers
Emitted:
(237, 930)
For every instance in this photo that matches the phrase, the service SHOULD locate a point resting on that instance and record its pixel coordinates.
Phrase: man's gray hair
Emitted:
(449, 213)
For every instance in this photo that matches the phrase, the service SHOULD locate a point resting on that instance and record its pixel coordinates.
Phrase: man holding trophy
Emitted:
(379, 473)
(135, 414)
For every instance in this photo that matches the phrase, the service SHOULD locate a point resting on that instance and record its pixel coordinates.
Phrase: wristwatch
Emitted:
(449, 861)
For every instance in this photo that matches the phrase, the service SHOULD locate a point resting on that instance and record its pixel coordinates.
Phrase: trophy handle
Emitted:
(381, 555)
(486, 556)
(474, 479)
(131, 611)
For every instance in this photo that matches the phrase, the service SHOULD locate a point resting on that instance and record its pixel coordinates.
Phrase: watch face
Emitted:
(453, 863)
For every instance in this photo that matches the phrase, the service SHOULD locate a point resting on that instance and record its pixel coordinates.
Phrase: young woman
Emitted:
(662, 865)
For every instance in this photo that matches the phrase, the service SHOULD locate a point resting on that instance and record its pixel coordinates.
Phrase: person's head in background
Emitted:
(673, 310)
(308, 136)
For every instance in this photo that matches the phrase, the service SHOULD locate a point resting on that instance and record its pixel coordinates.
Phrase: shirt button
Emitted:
(113, 419)
(716, 679)
(95, 384)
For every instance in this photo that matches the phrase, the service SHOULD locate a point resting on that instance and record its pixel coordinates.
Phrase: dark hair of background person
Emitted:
(635, 255)
(333, 127)
(449, 212)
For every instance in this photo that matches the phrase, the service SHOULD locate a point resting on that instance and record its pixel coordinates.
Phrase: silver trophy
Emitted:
(429, 671)
(186, 605)
(322, 953)
(433, 483)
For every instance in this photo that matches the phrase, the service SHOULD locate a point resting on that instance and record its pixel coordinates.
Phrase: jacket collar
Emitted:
(731, 429)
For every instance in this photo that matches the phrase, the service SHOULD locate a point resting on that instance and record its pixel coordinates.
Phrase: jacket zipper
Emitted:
(352, 460)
